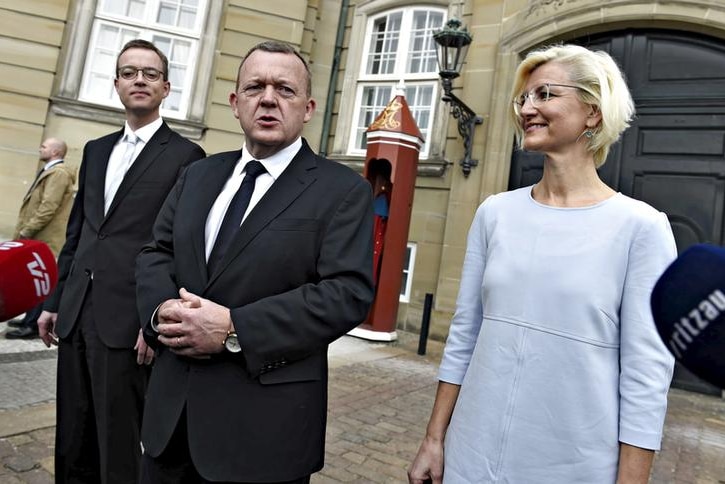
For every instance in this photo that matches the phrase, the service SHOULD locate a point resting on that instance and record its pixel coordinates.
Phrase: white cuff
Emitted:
(154, 322)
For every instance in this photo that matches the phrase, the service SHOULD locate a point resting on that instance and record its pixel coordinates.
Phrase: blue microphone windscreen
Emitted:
(688, 306)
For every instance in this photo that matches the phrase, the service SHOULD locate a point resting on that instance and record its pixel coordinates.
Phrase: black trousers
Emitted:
(174, 465)
(99, 408)
(31, 317)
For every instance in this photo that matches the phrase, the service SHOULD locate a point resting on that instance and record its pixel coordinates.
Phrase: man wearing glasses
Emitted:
(124, 178)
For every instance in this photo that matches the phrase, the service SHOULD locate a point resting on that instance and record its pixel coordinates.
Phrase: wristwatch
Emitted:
(231, 343)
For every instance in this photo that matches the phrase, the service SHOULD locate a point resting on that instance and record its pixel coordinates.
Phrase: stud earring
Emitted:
(589, 134)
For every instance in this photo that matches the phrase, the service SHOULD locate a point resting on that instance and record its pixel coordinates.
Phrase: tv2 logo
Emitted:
(41, 279)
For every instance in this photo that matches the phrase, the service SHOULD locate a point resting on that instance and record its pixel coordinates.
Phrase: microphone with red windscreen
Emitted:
(28, 274)
(688, 305)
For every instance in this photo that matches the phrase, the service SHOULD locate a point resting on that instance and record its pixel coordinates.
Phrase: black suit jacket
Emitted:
(103, 249)
(296, 277)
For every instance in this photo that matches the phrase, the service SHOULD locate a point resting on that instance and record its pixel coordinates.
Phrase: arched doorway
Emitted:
(673, 155)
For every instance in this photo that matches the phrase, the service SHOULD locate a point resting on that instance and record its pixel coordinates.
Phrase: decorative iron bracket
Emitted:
(467, 121)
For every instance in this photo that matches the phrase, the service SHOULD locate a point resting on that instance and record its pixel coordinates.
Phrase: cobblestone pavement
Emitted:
(380, 399)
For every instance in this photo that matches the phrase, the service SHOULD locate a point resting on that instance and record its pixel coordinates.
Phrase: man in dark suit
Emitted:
(239, 388)
(123, 181)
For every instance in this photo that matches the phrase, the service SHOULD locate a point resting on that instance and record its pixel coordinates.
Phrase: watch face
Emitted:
(232, 343)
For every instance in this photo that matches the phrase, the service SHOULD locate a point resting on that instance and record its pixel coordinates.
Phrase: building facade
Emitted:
(57, 65)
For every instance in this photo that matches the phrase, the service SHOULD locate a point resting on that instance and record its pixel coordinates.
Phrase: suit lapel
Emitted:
(293, 181)
(97, 163)
(215, 176)
(35, 183)
(155, 146)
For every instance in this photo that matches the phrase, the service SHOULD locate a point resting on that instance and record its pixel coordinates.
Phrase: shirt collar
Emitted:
(276, 163)
(144, 133)
(52, 163)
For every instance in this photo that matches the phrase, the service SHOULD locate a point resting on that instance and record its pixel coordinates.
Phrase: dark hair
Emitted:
(145, 44)
(282, 48)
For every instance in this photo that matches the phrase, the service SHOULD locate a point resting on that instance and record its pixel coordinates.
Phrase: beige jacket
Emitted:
(46, 207)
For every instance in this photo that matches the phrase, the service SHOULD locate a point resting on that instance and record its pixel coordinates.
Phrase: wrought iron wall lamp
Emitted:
(452, 45)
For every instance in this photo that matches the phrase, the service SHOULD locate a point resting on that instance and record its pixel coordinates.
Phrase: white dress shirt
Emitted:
(143, 135)
(50, 164)
(274, 165)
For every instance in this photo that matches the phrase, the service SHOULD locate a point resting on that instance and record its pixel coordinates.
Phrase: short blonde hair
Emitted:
(602, 85)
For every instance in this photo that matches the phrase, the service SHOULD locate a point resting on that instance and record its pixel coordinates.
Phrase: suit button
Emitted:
(102, 236)
(89, 273)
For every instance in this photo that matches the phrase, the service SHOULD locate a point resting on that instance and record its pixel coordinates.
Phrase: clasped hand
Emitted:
(193, 326)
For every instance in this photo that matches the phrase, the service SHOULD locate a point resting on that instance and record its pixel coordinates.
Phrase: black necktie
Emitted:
(233, 218)
(32, 185)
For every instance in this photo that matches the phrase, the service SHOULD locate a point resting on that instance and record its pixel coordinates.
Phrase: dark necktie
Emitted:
(233, 218)
(32, 185)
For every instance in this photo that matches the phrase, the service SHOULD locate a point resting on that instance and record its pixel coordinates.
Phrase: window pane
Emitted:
(407, 269)
(100, 86)
(173, 100)
(176, 75)
(126, 36)
(167, 15)
(104, 61)
(187, 18)
(125, 8)
(107, 36)
(177, 13)
(163, 43)
(136, 9)
(422, 55)
(420, 102)
(384, 44)
(180, 52)
(113, 7)
(374, 100)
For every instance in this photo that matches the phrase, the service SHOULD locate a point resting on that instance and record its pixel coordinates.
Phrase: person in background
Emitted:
(102, 374)
(382, 188)
(43, 216)
(553, 371)
(261, 258)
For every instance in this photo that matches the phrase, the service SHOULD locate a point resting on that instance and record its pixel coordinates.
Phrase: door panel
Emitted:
(676, 163)
(673, 155)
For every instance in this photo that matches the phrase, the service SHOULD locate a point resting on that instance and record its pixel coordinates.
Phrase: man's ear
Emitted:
(309, 109)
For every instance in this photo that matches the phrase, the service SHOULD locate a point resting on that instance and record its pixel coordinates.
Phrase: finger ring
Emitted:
(178, 341)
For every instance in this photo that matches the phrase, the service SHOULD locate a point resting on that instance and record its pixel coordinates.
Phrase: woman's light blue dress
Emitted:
(553, 341)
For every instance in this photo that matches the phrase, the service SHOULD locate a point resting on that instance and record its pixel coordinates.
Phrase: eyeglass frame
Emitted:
(519, 104)
(144, 72)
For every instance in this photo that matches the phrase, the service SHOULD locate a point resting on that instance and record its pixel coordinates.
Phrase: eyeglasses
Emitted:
(131, 72)
(538, 96)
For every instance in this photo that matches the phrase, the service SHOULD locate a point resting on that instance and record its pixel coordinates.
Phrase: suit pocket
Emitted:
(309, 369)
(295, 224)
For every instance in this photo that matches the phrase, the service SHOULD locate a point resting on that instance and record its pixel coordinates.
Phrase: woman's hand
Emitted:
(428, 464)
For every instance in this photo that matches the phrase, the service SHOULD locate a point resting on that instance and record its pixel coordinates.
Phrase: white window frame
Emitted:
(390, 80)
(408, 269)
(356, 49)
(146, 28)
(67, 100)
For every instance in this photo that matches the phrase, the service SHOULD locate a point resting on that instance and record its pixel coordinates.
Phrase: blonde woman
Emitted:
(553, 370)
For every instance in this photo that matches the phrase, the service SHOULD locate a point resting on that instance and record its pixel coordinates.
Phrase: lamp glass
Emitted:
(451, 46)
